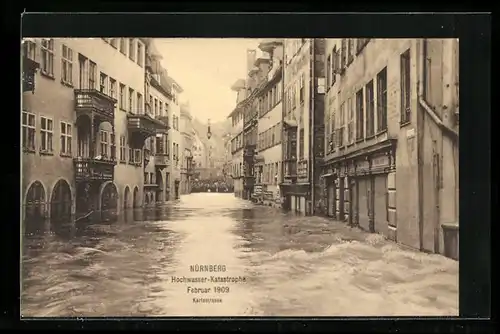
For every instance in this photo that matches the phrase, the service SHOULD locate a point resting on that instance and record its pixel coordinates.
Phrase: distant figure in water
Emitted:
(209, 190)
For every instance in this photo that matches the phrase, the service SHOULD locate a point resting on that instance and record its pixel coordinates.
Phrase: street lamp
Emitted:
(209, 133)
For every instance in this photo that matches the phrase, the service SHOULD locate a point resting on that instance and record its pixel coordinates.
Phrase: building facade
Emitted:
(84, 126)
(158, 157)
(391, 131)
(177, 141)
(302, 114)
(236, 117)
(269, 150)
(187, 155)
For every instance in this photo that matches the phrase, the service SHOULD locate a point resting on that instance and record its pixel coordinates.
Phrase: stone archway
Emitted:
(60, 204)
(34, 208)
(136, 198)
(126, 198)
(109, 197)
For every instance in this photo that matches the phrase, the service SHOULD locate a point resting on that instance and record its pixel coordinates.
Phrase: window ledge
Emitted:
(123, 109)
(47, 75)
(350, 144)
(28, 150)
(381, 132)
(123, 162)
(402, 124)
(65, 155)
(46, 152)
(359, 140)
(67, 84)
(370, 137)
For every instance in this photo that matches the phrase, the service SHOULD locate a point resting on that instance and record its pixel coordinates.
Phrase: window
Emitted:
(405, 87)
(112, 88)
(47, 64)
(83, 74)
(28, 123)
(382, 100)
(161, 108)
(301, 144)
(122, 96)
(340, 135)
(156, 107)
(302, 90)
(130, 155)
(370, 109)
(343, 53)
(92, 74)
(67, 65)
(328, 70)
(103, 83)
(350, 121)
(140, 106)
(112, 146)
(360, 133)
(361, 43)
(137, 156)
(130, 99)
(104, 143)
(168, 147)
(131, 49)
(66, 135)
(123, 149)
(29, 49)
(47, 131)
(123, 45)
(350, 54)
(139, 54)
(335, 65)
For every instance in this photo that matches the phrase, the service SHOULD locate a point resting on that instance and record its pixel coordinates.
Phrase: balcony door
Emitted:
(82, 77)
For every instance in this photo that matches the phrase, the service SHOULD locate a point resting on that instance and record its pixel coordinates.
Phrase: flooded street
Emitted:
(277, 264)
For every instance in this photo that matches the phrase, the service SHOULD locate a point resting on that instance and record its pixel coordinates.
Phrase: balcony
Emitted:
(29, 69)
(141, 127)
(88, 169)
(165, 121)
(161, 160)
(93, 102)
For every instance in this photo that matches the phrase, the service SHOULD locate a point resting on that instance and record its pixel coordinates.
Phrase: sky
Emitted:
(206, 69)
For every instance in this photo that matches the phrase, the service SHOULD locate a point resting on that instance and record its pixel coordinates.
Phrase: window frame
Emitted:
(66, 65)
(66, 138)
(28, 131)
(46, 135)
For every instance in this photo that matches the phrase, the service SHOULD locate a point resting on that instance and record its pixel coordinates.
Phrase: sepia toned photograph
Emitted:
(239, 177)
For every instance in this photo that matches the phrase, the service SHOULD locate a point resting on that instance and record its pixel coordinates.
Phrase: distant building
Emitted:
(187, 155)
(391, 155)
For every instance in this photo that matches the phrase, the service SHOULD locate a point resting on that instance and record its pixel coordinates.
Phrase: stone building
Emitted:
(391, 131)
(236, 117)
(302, 143)
(187, 133)
(82, 127)
(269, 151)
(158, 157)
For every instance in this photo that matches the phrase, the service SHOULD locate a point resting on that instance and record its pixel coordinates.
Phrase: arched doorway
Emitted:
(136, 198)
(34, 208)
(126, 198)
(60, 204)
(109, 197)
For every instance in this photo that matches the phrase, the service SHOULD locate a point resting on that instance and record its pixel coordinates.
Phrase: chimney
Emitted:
(251, 57)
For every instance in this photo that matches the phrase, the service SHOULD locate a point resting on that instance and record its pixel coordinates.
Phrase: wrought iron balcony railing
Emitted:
(93, 101)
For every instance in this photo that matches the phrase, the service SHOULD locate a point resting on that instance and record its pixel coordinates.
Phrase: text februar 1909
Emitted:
(209, 283)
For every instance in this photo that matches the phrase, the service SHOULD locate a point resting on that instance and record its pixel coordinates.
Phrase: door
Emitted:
(341, 199)
(354, 200)
(363, 203)
(380, 208)
(331, 200)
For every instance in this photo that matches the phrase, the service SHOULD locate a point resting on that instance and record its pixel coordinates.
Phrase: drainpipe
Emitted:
(312, 100)
(421, 99)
